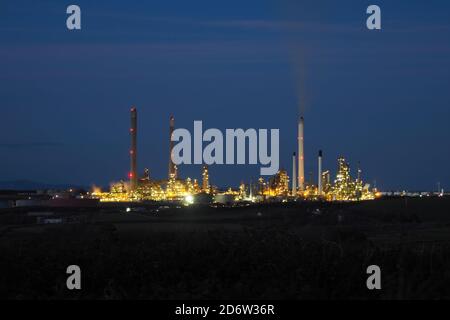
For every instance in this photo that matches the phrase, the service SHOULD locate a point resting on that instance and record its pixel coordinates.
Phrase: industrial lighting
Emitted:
(344, 188)
(189, 199)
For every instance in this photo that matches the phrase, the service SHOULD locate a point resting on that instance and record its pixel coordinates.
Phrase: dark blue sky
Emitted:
(381, 98)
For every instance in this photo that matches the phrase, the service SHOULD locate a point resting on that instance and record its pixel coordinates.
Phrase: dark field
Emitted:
(280, 251)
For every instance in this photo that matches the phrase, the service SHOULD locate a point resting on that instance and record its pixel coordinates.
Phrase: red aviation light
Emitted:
(131, 151)
(130, 175)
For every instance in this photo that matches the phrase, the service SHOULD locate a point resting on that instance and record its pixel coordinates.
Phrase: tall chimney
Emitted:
(319, 178)
(133, 150)
(205, 181)
(294, 175)
(172, 166)
(301, 155)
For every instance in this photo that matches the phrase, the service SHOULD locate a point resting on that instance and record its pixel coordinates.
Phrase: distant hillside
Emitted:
(32, 185)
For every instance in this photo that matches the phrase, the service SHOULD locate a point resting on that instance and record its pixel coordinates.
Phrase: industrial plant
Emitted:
(279, 187)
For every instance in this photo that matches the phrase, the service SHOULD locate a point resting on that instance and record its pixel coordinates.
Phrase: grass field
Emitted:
(280, 251)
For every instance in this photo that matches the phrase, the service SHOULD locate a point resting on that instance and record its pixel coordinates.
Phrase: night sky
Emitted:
(381, 98)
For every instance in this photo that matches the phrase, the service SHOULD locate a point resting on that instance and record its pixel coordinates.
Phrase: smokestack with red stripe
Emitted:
(133, 150)
(301, 155)
(319, 178)
(172, 166)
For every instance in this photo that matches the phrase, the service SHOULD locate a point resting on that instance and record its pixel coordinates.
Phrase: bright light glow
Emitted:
(189, 199)
(128, 210)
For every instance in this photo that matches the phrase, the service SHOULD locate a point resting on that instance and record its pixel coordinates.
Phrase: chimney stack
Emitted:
(172, 166)
(301, 155)
(294, 175)
(319, 181)
(133, 150)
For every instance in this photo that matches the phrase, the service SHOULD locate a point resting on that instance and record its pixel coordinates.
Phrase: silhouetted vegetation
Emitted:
(284, 252)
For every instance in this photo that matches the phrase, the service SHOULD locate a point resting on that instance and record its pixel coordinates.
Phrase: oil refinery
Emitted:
(277, 188)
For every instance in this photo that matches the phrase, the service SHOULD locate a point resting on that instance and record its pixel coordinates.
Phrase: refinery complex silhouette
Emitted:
(279, 187)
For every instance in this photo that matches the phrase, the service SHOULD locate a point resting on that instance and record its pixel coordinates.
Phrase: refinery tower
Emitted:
(301, 155)
(133, 149)
(172, 166)
(294, 176)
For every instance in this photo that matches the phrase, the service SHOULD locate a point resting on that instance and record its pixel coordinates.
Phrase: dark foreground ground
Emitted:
(284, 251)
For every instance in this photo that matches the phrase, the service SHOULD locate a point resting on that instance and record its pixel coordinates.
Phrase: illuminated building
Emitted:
(278, 185)
(118, 188)
(346, 189)
(174, 188)
(343, 188)
(242, 191)
(151, 191)
(178, 189)
(144, 188)
(196, 186)
(205, 181)
(118, 193)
